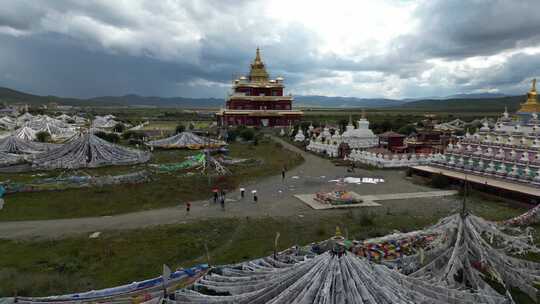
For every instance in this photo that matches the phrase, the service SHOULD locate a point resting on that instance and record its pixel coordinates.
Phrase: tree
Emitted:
(386, 125)
(191, 126)
(119, 128)
(305, 125)
(232, 135)
(407, 129)
(342, 123)
(179, 129)
(43, 136)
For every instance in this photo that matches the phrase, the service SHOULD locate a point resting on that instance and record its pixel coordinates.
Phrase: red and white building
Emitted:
(257, 100)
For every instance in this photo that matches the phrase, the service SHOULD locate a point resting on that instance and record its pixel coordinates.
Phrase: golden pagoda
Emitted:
(258, 71)
(531, 105)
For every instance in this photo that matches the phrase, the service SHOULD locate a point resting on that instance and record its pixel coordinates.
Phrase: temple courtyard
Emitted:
(276, 198)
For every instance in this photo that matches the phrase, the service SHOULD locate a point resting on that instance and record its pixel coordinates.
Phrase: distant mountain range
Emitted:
(494, 104)
(460, 102)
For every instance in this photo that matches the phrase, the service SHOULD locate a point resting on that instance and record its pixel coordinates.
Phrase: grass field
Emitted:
(163, 191)
(79, 263)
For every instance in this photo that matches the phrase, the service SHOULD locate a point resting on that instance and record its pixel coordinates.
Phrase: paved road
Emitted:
(276, 199)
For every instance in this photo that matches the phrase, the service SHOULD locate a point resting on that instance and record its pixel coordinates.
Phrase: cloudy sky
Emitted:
(383, 48)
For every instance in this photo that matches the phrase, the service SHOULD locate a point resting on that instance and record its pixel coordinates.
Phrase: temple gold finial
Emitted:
(258, 55)
(258, 71)
(338, 231)
(531, 105)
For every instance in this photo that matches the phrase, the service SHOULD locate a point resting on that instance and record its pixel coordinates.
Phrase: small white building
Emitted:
(299, 137)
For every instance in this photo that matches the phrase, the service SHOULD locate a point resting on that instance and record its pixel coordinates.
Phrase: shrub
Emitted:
(179, 129)
(247, 134)
(440, 181)
(232, 135)
(110, 137)
(43, 136)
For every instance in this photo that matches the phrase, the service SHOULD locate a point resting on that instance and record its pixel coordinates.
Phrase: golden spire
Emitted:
(258, 56)
(338, 232)
(258, 71)
(531, 105)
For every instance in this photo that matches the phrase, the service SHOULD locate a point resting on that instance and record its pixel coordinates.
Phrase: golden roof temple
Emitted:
(257, 100)
(531, 105)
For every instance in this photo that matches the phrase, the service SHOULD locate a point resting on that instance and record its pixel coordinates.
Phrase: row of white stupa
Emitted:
(514, 171)
(508, 133)
(510, 150)
(360, 137)
(394, 160)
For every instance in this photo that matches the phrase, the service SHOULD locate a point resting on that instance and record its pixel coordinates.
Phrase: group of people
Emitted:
(219, 195)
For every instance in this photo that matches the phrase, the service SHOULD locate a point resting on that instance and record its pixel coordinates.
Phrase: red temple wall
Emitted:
(245, 120)
(249, 91)
(258, 105)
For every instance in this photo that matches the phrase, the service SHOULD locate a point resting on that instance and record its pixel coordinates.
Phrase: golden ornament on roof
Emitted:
(258, 71)
(531, 105)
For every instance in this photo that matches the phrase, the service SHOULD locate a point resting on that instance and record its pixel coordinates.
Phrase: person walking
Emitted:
(283, 170)
(255, 197)
(188, 207)
(216, 194)
(242, 193)
(222, 202)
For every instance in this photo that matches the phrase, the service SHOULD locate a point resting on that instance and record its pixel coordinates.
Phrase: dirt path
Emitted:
(276, 199)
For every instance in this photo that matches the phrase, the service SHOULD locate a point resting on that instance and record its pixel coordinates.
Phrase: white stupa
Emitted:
(299, 137)
(361, 137)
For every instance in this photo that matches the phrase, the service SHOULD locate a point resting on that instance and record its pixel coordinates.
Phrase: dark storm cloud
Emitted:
(72, 70)
(192, 48)
(513, 76)
(459, 29)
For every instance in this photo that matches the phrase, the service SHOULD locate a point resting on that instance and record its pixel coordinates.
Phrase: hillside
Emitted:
(136, 100)
(461, 103)
(12, 96)
(345, 102)
(467, 105)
